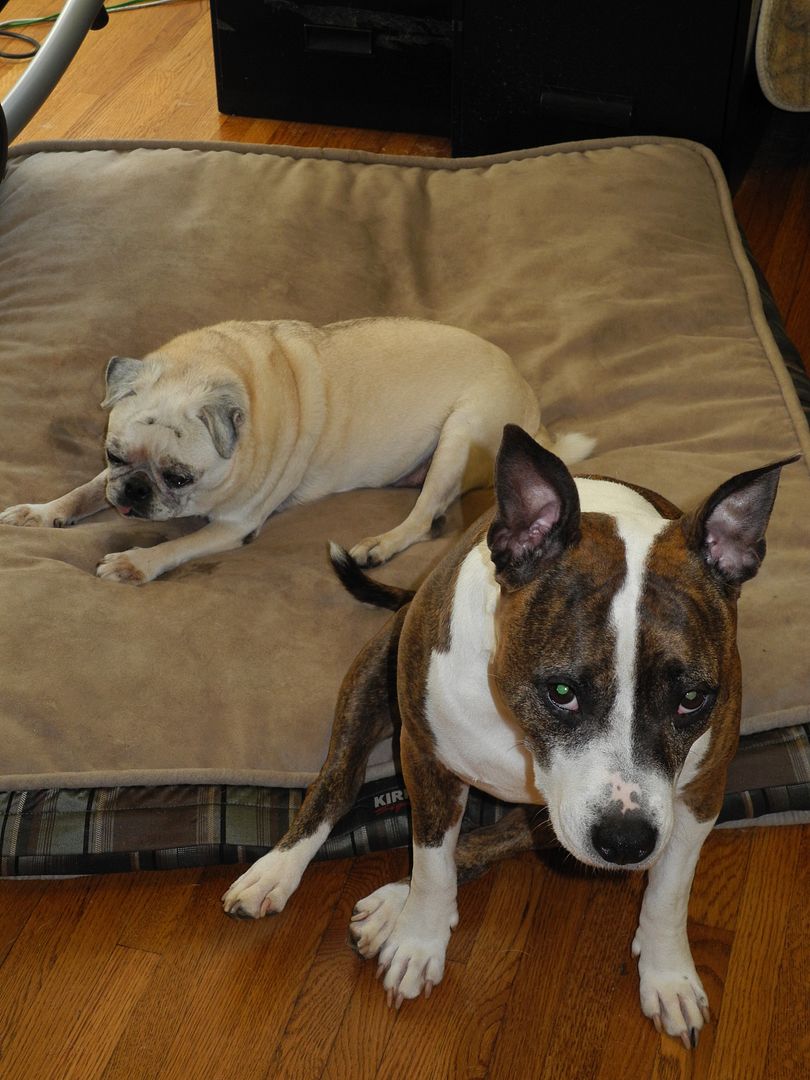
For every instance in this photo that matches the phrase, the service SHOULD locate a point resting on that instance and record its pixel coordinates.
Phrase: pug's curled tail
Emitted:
(361, 586)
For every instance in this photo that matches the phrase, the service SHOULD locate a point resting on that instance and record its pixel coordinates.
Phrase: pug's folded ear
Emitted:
(121, 375)
(224, 415)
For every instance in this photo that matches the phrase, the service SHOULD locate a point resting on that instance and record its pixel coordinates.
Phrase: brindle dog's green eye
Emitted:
(562, 696)
(694, 708)
(692, 702)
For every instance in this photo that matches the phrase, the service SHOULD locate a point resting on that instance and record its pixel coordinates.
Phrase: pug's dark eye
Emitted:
(176, 479)
(114, 459)
(561, 696)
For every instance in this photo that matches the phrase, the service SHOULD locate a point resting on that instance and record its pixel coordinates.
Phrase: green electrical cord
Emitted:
(9, 27)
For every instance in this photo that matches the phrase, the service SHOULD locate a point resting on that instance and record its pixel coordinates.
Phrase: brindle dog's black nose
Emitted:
(137, 489)
(624, 839)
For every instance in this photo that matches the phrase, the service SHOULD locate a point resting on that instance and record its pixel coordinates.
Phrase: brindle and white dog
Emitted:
(578, 649)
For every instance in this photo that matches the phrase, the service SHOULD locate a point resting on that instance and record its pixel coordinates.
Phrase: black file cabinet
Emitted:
(546, 71)
(370, 64)
(491, 74)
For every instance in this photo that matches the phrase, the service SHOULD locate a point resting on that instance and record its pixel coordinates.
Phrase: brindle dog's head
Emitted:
(616, 643)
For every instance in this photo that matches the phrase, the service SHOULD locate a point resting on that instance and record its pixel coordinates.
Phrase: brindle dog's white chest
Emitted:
(475, 739)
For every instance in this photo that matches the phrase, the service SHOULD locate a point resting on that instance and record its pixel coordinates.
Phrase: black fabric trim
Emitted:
(790, 354)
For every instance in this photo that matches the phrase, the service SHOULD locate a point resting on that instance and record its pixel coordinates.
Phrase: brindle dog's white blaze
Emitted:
(579, 787)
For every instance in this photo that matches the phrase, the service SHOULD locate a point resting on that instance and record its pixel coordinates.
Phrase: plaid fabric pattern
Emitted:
(779, 762)
(105, 830)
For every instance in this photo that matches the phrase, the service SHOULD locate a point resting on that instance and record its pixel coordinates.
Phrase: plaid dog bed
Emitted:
(107, 830)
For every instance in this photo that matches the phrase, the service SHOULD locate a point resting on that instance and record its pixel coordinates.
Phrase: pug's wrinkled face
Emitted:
(169, 446)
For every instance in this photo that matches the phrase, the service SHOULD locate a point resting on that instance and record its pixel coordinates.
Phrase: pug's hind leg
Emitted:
(463, 459)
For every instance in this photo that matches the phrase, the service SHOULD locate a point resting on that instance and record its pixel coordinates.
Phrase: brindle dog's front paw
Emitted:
(410, 943)
(127, 567)
(375, 916)
(672, 995)
(264, 889)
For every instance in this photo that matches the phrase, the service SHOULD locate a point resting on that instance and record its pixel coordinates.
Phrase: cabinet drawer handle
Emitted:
(338, 39)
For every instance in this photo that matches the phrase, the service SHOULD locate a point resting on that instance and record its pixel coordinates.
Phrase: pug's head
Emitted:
(171, 438)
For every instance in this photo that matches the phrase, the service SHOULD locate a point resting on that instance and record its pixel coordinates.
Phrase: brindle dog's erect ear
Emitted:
(537, 515)
(223, 416)
(728, 530)
(121, 374)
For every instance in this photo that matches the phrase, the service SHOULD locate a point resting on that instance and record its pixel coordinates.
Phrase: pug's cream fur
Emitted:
(234, 421)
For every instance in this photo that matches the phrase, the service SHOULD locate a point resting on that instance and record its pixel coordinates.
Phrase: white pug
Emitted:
(234, 421)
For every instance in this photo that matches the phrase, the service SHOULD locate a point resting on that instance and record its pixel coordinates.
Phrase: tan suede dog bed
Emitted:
(614, 275)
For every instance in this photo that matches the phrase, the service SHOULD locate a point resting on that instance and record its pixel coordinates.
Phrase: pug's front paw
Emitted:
(35, 516)
(127, 567)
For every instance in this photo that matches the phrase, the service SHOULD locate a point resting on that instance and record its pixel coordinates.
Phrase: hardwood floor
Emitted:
(773, 207)
(140, 977)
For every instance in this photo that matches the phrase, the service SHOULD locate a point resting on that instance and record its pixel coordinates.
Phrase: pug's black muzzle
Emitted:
(136, 495)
